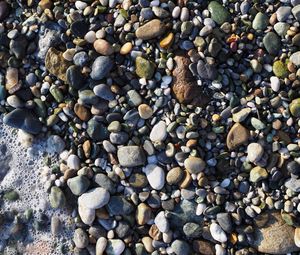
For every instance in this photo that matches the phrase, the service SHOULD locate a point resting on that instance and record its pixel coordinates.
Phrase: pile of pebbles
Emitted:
(176, 122)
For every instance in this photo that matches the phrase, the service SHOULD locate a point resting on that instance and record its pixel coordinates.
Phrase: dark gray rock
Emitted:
(118, 205)
(101, 67)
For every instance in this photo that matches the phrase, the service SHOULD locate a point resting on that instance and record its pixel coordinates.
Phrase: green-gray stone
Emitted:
(218, 12)
(40, 108)
(295, 107)
(11, 195)
(144, 68)
(272, 43)
(2, 92)
(258, 173)
(57, 94)
(257, 124)
(281, 28)
(260, 21)
(192, 230)
(96, 130)
(57, 197)
(78, 185)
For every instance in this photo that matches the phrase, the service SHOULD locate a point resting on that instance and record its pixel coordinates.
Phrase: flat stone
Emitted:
(23, 119)
(280, 69)
(57, 198)
(103, 91)
(143, 214)
(257, 174)
(180, 247)
(225, 222)
(283, 12)
(80, 238)
(241, 115)
(192, 230)
(144, 68)
(296, 12)
(218, 12)
(260, 21)
(217, 233)
(276, 237)
(56, 64)
(131, 156)
(161, 222)
(118, 205)
(295, 58)
(255, 152)
(237, 136)
(293, 184)
(158, 132)
(185, 87)
(75, 78)
(78, 184)
(96, 130)
(87, 215)
(95, 198)
(206, 71)
(151, 30)
(174, 176)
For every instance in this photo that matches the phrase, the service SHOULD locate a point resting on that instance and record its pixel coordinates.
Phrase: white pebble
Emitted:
(275, 83)
(73, 162)
(155, 176)
(161, 222)
(217, 233)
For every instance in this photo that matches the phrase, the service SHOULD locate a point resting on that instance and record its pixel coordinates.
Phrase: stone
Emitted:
(225, 222)
(281, 28)
(79, 28)
(293, 184)
(280, 69)
(295, 107)
(272, 43)
(12, 78)
(143, 214)
(237, 136)
(80, 238)
(18, 46)
(145, 111)
(115, 247)
(75, 78)
(103, 47)
(95, 198)
(293, 167)
(192, 230)
(296, 40)
(218, 12)
(283, 12)
(96, 130)
(138, 180)
(134, 98)
(206, 71)
(296, 12)
(144, 68)
(105, 182)
(56, 64)
(204, 247)
(45, 4)
(155, 176)
(23, 119)
(297, 237)
(161, 222)
(159, 132)
(275, 83)
(217, 233)
(185, 87)
(260, 21)
(194, 165)
(167, 41)
(82, 112)
(118, 205)
(87, 215)
(257, 174)
(57, 198)
(255, 152)
(73, 162)
(257, 124)
(4, 10)
(101, 245)
(151, 30)
(131, 156)
(103, 91)
(295, 58)
(174, 176)
(180, 247)
(55, 144)
(276, 237)
(101, 67)
(241, 115)
(126, 48)
(78, 185)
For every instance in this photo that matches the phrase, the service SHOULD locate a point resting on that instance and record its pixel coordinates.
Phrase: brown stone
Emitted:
(151, 30)
(276, 237)
(87, 148)
(143, 214)
(56, 64)
(185, 86)
(155, 233)
(103, 47)
(45, 4)
(204, 247)
(82, 112)
(237, 136)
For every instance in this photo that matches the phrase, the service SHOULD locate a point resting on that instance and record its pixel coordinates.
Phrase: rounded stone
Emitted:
(194, 165)
(255, 152)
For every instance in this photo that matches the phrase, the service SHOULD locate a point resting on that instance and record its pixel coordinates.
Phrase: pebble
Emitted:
(159, 132)
(255, 152)
(57, 198)
(194, 165)
(218, 12)
(275, 83)
(80, 238)
(131, 156)
(94, 198)
(103, 47)
(237, 136)
(260, 21)
(295, 58)
(101, 245)
(155, 176)
(161, 222)
(101, 67)
(272, 43)
(144, 68)
(145, 111)
(257, 174)
(283, 13)
(151, 30)
(180, 247)
(73, 162)
(217, 233)
(115, 247)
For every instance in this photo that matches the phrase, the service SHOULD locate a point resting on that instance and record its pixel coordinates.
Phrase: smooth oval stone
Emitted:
(74, 77)
(131, 156)
(103, 91)
(218, 12)
(78, 184)
(23, 119)
(155, 176)
(295, 107)
(260, 21)
(255, 152)
(118, 205)
(295, 58)
(159, 132)
(151, 30)
(115, 247)
(101, 67)
(94, 198)
(194, 165)
(57, 198)
(272, 43)
(217, 233)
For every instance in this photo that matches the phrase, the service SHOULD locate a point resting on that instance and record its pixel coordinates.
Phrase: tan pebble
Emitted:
(126, 48)
(82, 112)
(103, 47)
(145, 111)
(147, 241)
(69, 54)
(45, 4)
(12, 78)
(167, 41)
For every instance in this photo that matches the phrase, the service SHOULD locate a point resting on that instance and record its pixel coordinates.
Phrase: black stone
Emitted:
(293, 167)
(118, 205)
(79, 28)
(74, 77)
(18, 46)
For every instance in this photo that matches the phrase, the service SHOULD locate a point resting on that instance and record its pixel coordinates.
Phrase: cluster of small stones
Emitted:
(176, 122)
